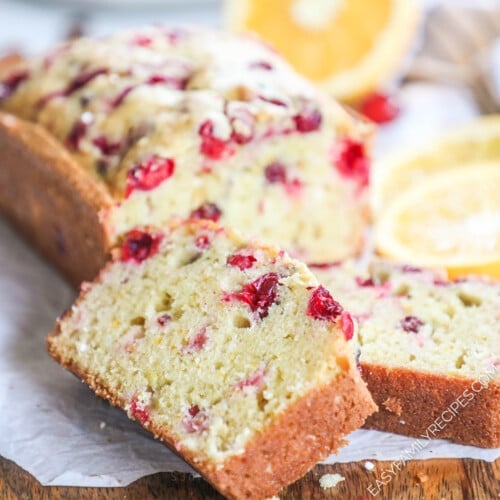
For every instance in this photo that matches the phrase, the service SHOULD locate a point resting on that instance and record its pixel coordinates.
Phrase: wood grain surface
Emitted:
(439, 479)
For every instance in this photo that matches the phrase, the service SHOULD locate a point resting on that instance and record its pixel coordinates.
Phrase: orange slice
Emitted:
(393, 175)
(348, 46)
(451, 221)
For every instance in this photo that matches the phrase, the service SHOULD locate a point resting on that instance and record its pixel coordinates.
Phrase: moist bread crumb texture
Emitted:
(223, 348)
(192, 122)
(425, 340)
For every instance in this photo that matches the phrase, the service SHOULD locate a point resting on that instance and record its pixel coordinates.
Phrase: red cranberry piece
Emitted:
(76, 84)
(324, 265)
(351, 161)
(439, 282)
(323, 306)
(209, 211)
(241, 138)
(142, 40)
(82, 79)
(410, 269)
(411, 324)
(347, 325)
(202, 242)
(139, 411)
(241, 261)
(107, 146)
(176, 83)
(308, 121)
(379, 108)
(76, 134)
(259, 294)
(196, 420)
(193, 411)
(10, 84)
(293, 187)
(150, 173)
(197, 343)
(79, 130)
(139, 245)
(272, 100)
(275, 173)
(121, 96)
(364, 282)
(253, 381)
(155, 79)
(164, 319)
(212, 146)
(266, 66)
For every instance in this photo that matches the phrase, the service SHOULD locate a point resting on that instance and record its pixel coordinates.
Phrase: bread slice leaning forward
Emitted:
(228, 351)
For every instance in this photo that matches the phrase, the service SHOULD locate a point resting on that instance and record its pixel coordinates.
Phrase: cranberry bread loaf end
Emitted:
(430, 349)
(228, 351)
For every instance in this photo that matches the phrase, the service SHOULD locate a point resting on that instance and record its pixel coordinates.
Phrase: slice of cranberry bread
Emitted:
(193, 122)
(228, 351)
(430, 349)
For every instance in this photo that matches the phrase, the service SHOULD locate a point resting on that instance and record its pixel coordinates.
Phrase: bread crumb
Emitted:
(369, 465)
(422, 477)
(393, 405)
(102, 425)
(330, 480)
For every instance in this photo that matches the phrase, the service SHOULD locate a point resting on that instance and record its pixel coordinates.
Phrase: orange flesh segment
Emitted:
(341, 45)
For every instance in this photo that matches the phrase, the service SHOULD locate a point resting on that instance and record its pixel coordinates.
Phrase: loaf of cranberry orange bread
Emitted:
(228, 351)
(430, 349)
(179, 122)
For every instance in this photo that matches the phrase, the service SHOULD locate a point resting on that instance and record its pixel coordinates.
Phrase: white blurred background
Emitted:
(33, 26)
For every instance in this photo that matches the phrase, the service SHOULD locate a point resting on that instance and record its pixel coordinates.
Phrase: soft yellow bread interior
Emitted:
(418, 319)
(169, 337)
(321, 204)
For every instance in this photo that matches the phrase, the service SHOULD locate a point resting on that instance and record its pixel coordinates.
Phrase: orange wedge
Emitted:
(451, 221)
(393, 175)
(348, 46)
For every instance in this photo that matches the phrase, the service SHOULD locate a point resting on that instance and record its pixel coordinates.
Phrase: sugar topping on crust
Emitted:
(104, 96)
(172, 121)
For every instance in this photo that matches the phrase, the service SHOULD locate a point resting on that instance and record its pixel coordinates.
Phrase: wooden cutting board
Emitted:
(439, 479)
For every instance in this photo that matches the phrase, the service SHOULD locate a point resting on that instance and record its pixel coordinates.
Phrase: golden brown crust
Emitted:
(53, 202)
(435, 406)
(307, 432)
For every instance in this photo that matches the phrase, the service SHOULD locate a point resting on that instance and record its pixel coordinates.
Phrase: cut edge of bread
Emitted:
(434, 406)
